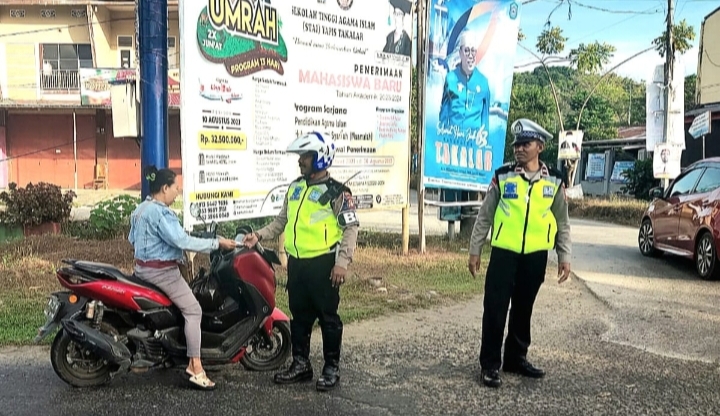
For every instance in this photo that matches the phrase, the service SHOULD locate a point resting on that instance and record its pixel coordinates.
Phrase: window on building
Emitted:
(173, 53)
(126, 51)
(61, 64)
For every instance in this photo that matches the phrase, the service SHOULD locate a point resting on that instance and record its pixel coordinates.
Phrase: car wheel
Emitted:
(706, 257)
(646, 239)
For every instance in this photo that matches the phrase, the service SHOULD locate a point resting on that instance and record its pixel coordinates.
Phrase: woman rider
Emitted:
(159, 241)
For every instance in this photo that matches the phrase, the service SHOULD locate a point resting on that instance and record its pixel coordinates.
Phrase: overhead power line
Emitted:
(605, 10)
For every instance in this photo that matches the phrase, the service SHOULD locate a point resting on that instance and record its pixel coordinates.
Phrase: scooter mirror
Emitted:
(195, 211)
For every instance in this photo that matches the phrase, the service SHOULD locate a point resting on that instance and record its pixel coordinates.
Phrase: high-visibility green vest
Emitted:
(523, 220)
(312, 228)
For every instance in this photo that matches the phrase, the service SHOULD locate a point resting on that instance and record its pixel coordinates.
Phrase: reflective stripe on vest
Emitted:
(523, 221)
(312, 229)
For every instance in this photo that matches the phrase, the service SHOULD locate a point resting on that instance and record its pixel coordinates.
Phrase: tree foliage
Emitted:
(683, 35)
(592, 58)
(690, 83)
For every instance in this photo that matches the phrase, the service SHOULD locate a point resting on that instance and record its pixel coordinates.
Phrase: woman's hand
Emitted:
(226, 244)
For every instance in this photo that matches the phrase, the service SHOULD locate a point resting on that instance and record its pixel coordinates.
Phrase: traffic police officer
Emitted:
(321, 226)
(526, 207)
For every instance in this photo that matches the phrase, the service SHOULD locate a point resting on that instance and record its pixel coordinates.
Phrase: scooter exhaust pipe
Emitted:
(105, 346)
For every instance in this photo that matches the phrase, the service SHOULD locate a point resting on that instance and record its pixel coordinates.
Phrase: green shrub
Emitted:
(109, 219)
(640, 180)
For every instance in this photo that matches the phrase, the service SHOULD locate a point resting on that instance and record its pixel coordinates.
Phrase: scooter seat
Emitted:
(112, 272)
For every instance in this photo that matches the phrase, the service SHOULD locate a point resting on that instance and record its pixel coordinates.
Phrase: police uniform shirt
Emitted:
(559, 210)
(343, 203)
(465, 101)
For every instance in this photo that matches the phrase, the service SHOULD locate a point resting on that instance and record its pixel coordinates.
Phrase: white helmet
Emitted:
(322, 147)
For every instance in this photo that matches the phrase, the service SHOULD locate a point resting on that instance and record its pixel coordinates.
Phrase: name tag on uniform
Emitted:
(548, 191)
(510, 191)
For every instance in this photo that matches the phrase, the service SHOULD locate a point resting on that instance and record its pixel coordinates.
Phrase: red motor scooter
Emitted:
(111, 322)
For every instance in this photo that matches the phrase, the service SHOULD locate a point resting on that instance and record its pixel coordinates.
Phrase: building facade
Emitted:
(707, 92)
(56, 59)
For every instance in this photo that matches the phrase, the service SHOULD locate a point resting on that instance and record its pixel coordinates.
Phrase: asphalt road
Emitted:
(659, 304)
(633, 337)
(411, 364)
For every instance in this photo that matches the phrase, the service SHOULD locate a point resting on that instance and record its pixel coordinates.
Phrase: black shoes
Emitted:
(491, 378)
(524, 368)
(329, 379)
(300, 370)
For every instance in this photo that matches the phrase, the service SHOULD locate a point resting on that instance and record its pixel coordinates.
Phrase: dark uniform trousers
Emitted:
(510, 277)
(312, 296)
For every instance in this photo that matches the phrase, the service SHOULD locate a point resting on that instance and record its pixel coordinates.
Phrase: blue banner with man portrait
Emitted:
(467, 94)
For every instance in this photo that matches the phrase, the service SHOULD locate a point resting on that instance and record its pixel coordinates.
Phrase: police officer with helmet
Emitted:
(527, 210)
(320, 224)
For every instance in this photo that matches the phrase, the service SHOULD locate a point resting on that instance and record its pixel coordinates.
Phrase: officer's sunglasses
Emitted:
(522, 144)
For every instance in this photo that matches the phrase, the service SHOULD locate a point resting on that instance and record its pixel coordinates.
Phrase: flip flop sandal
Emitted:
(201, 381)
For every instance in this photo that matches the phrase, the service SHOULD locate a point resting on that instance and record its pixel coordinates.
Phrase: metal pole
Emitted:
(75, 147)
(703, 146)
(153, 16)
(451, 230)
(422, 64)
(421, 45)
(669, 60)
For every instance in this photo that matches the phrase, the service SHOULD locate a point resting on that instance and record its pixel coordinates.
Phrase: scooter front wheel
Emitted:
(262, 355)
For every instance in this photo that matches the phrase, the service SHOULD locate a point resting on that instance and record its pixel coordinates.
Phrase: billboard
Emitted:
(467, 96)
(256, 74)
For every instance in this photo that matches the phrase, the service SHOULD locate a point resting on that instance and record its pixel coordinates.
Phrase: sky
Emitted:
(629, 33)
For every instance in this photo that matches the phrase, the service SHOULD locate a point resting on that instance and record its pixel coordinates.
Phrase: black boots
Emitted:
(332, 341)
(330, 377)
(300, 370)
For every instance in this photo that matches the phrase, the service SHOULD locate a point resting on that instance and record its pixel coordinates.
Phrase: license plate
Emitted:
(51, 311)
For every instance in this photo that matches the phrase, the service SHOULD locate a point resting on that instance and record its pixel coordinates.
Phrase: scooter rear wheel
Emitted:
(261, 356)
(76, 366)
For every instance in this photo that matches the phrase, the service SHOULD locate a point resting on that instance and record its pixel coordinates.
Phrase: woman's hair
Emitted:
(159, 178)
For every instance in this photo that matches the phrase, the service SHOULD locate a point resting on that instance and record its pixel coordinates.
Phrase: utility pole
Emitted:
(153, 22)
(669, 70)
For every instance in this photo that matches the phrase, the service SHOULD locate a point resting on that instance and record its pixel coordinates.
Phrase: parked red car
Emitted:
(684, 219)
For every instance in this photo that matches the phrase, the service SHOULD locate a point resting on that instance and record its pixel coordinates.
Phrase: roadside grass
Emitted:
(381, 280)
(621, 211)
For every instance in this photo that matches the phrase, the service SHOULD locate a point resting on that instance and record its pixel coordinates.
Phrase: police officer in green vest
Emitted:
(320, 224)
(526, 208)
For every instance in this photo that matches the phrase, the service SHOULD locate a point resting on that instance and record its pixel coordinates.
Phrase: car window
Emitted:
(709, 181)
(684, 185)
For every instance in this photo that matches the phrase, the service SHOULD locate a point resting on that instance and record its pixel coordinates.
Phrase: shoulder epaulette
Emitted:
(507, 167)
(336, 184)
